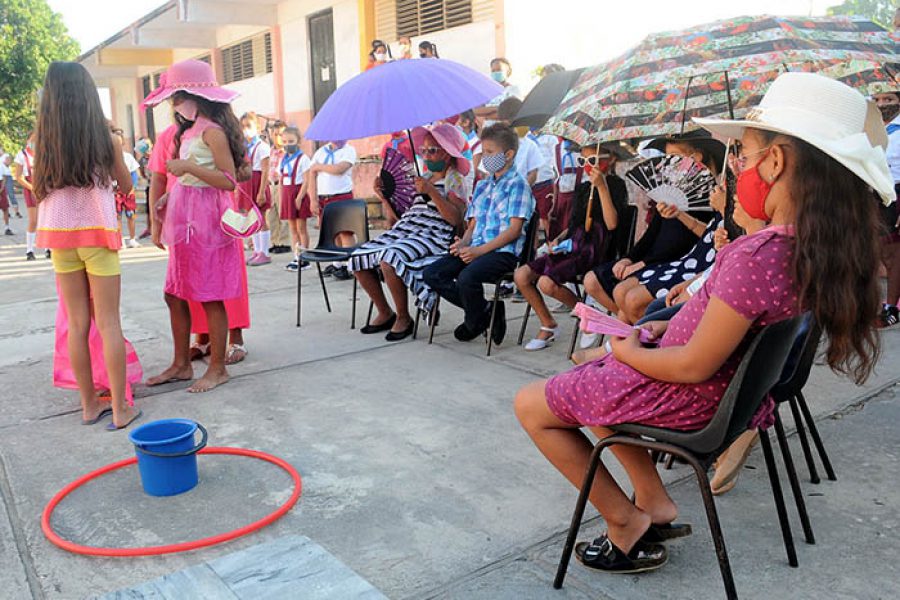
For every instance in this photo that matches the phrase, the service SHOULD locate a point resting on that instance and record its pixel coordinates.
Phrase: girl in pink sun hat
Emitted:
(205, 264)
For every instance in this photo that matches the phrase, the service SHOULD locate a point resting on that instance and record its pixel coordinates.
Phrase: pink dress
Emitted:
(751, 275)
(205, 264)
(238, 309)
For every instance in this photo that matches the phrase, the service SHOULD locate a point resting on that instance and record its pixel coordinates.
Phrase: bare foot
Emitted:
(125, 416)
(173, 373)
(661, 511)
(579, 357)
(93, 410)
(210, 380)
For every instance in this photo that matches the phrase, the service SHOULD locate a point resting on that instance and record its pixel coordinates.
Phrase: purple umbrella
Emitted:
(400, 95)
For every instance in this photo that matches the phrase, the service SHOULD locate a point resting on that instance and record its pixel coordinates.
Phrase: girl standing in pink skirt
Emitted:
(204, 262)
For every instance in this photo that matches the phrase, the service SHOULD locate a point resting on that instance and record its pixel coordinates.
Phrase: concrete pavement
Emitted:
(415, 473)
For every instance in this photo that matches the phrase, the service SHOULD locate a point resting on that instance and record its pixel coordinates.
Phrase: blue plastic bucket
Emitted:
(167, 455)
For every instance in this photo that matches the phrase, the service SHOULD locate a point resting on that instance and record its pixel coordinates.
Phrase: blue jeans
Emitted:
(461, 283)
(10, 191)
(658, 311)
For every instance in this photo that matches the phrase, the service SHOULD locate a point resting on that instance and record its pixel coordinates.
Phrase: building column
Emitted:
(277, 71)
(499, 28)
(366, 12)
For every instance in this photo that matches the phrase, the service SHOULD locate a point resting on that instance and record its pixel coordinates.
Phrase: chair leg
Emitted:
(792, 478)
(369, 316)
(324, 290)
(814, 432)
(580, 505)
(669, 462)
(433, 315)
(524, 324)
(715, 527)
(299, 279)
(416, 326)
(779, 498)
(353, 309)
(804, 441)
(490, 329)
(575, 329)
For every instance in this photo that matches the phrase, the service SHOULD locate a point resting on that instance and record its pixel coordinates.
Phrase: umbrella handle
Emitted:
(412, 146)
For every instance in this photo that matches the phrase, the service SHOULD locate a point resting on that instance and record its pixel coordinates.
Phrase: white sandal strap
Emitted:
(549, 329)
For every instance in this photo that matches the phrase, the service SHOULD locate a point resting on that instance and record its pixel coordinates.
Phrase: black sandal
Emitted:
(603, 555)
(386, 326)
(663, 533)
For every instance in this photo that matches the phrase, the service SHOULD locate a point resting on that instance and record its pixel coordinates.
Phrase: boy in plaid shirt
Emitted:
(494, 237)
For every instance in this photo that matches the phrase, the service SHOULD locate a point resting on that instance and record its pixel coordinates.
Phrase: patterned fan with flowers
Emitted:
(398, 181)
(678, 181)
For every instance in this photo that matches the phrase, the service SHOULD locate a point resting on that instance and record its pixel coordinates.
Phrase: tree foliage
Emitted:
(880, 11)
(31, 37)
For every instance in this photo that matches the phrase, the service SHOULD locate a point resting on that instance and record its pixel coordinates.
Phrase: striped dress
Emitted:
(419, 238)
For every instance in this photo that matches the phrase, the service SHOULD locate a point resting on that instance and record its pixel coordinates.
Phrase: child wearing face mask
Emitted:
(405, 47)
(256, 189)
(295, 207)
(494, 237)
(380, 54)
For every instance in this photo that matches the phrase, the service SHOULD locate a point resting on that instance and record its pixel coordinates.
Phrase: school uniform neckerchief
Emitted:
(286, 161)
(893, 127)
(330, 152)
(252, 146)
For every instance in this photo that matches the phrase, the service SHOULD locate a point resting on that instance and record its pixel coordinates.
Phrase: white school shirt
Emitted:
(528, 158)
(26, 165)
(258, 152)
(893, 149)
(546, 143)
(291, 177)
(328, 184)
(4, 170)
(568, 161)
(130, 162)
(509, 91)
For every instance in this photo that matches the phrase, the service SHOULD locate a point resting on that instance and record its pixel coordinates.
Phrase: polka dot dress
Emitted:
(660, 278)
(752, 276)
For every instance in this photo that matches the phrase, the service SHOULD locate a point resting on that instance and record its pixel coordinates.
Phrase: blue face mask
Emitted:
(498, 76)
(493, 163)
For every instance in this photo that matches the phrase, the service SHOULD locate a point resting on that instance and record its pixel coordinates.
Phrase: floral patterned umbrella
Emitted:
(719, 69)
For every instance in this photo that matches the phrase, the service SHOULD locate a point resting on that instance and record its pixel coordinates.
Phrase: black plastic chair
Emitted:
(757, 373)
(525, 256)
(337, 217)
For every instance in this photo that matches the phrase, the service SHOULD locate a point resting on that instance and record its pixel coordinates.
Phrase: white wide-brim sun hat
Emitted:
(826, 114)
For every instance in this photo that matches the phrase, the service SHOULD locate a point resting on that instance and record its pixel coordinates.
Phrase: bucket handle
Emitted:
(203, 437)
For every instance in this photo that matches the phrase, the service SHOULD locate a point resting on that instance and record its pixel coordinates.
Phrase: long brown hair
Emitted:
(221, 114)
(73, 144)
(836, 257)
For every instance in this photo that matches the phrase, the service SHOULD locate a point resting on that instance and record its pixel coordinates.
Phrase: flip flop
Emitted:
(198, 351)
(233, 351)
(102, 414)
(112, 426)
(603, 555)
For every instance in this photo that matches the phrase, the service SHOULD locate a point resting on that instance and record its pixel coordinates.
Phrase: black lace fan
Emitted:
(398, 181)
(679, 181)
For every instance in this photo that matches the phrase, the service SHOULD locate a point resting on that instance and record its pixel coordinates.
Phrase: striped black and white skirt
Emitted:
(418, 239)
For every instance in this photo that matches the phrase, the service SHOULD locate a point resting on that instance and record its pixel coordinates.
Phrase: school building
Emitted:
(286, 57)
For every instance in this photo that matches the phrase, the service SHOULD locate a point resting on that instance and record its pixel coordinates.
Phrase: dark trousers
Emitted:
(658, 311)
(461, 283)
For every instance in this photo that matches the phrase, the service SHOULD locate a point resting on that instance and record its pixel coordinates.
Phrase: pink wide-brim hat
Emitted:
(194, 77)
(448, 137)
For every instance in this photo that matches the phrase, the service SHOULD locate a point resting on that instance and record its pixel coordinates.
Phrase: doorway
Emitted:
(321, 52)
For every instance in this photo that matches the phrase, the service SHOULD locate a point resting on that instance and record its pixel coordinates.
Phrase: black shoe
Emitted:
(890, 316)
(603, 555)
(507, 290)
(29, 256)
(396, 336)
(386, 326)
(18, 215)
(280, 249)
(47, 254)
(499, 330)
(329, 270)
(464, 334)
(305, 264)
(342, 274)
(9, 231)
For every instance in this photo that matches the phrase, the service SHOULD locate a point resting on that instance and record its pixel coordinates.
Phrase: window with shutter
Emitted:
(418, 17)
(247, 59)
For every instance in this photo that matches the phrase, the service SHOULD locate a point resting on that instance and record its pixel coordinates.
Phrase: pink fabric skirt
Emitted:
(238, 309)
(205, 263)
(64, 375)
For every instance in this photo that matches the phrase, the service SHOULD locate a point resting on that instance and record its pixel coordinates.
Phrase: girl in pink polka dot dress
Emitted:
(810, 178)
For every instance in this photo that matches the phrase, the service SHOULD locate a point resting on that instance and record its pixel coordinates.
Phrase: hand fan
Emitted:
(679, 181)
(594, 321)
(397, 181)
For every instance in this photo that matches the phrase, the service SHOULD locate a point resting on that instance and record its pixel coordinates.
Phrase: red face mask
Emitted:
(752, 191)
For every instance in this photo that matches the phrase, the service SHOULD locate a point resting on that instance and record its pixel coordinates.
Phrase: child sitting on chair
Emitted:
(493, 240)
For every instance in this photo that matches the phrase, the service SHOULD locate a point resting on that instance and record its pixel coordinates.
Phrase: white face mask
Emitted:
(380, 56)
(249, 133)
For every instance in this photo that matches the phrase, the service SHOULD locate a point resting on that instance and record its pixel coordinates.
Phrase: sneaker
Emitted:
(18, 215)
(9, 231)
(252, 258)
(280, 249)
(29, 256)
(329, 270)
(342, 274)
(47, 253)
(305, 264)
(507, 290)
(588, 340)
(292, 266)
(260, 260)
(133, 243)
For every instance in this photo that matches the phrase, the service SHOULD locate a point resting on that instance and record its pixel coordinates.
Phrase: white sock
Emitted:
(29, 241)
(266, 239)
(254, 241)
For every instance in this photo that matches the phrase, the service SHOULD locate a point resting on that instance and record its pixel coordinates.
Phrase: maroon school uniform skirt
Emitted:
(289, 210)
(248, 191)
(543, 196)
(29, 197)
(326, 200)
(559, 220)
